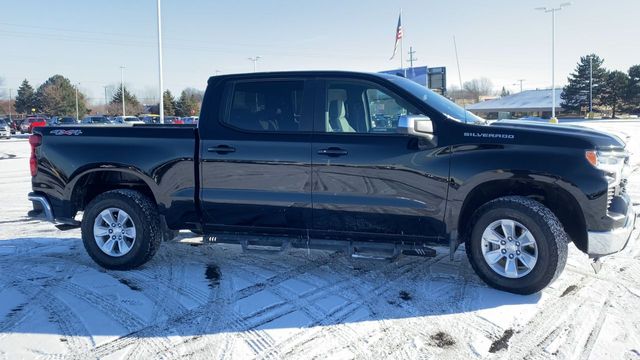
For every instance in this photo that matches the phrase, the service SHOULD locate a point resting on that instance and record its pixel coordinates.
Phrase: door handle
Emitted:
(222, 149)
(332, 151)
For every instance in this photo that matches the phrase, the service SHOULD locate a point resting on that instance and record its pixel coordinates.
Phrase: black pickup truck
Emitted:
(375, 164)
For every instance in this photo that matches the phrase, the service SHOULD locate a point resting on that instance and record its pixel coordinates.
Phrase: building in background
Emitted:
(528, 103)
(434, 78)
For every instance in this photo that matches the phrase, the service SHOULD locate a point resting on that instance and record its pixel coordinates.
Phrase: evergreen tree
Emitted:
(57, 96)
(26, 98)
(615, 91)
(633, 91)
(504, 92)
(189, 102)
(132, 105)
(169, 103)
(576, 93)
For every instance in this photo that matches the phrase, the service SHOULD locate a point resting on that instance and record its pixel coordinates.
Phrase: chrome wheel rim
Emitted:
(114, 232)
(509, 248)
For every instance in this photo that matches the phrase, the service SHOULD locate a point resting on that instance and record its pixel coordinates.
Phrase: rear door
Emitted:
(369, 179)
(255, 170)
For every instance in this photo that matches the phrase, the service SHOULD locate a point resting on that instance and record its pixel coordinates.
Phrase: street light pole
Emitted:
(10, 101)
(255, 62)
(553, 55)
(122, 88)
(160, 64)
(77, 112)
(105, 99)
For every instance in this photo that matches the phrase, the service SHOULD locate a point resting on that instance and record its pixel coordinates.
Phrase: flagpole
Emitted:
(401, 52)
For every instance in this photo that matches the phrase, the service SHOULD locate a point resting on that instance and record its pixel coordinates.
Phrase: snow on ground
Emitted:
(213, 301)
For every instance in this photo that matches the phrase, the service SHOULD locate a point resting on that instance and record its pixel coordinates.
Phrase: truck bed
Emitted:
(158, 157)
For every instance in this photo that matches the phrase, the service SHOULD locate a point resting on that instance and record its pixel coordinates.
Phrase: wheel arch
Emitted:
(560, 201)
(93, 182)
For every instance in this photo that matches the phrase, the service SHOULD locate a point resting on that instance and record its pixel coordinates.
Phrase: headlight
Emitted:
(611, 162)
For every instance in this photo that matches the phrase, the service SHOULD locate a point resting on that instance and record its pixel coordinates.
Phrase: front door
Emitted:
(256, 161)
(369, 179)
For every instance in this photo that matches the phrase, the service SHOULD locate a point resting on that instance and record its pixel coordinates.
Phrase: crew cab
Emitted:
(373, 164)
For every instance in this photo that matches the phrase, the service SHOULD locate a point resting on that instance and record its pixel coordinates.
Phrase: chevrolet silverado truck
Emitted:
(374, 164)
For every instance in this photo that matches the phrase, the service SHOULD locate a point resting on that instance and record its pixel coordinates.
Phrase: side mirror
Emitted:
(418, 125)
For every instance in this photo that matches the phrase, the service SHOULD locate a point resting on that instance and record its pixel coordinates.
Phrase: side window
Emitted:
(266, 106)
(363, 107)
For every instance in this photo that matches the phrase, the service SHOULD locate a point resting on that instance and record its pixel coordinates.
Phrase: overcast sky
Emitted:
(504, 40)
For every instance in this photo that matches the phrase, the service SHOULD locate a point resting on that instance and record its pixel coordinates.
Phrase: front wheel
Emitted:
(517, 245)
(121, 229)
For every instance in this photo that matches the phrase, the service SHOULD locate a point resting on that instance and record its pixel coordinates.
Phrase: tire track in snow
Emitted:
(358, 299)
(77, 338)
(551, 318)
(213, 309)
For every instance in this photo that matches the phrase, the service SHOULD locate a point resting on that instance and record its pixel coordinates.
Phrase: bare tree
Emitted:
(455, 93)
(479, 87)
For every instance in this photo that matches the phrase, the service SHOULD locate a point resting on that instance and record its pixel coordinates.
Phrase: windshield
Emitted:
(438, 102)
(66, 121)
(3, 123)
(100, 120)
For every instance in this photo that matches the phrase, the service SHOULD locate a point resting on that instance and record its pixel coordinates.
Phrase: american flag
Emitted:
(398, 36)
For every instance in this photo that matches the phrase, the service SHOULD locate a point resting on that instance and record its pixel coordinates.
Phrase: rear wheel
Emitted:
(121, 229)
(517, 245)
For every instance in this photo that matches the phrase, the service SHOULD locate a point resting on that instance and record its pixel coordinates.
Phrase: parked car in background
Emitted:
(172, 120)
(95, 120)
(5, 129)
(62, 121)
(29, 123)
(150, 118)
(11, 125)
(127, 120)
(67, 120)
(14, 125)
(190, 119)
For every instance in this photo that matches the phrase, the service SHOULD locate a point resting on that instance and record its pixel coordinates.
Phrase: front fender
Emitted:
(564, 168)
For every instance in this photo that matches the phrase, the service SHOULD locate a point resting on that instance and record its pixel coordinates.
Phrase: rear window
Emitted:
(266, 106)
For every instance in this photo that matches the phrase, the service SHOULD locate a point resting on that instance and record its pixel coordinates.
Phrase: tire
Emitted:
(144, 219)
(549, 238)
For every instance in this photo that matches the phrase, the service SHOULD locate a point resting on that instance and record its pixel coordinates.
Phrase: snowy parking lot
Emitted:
(213, 301)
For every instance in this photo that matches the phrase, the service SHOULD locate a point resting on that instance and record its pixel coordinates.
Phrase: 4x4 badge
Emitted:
(65, 132)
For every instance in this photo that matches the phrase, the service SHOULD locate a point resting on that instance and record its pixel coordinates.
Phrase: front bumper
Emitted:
(601, 243)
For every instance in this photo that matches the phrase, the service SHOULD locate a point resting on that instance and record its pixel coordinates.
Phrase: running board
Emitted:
(374, 253)
(353, 249)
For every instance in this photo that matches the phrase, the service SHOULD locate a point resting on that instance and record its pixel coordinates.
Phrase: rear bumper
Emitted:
(41, 208)
(603, 243)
